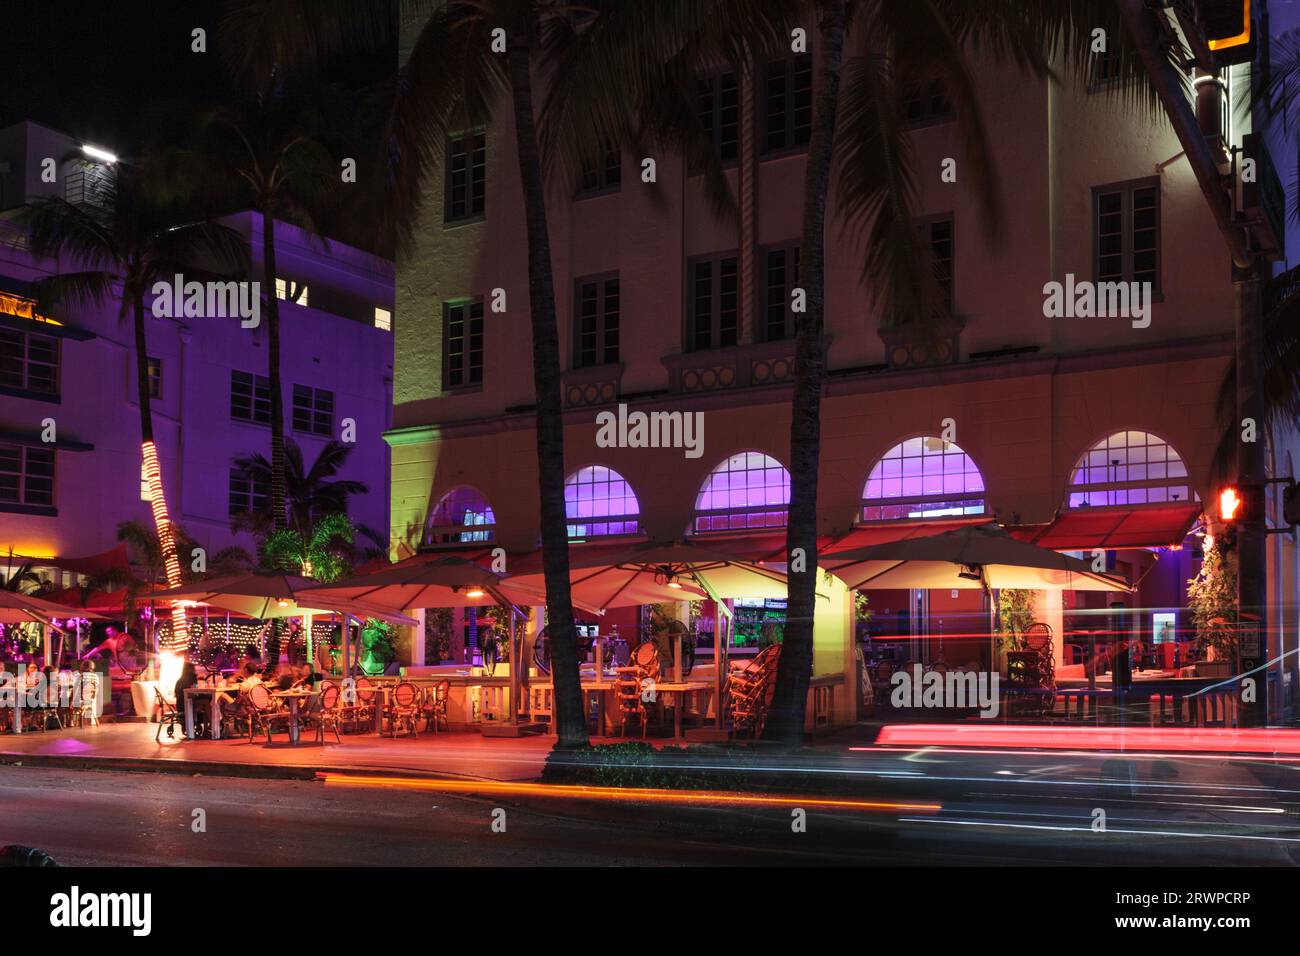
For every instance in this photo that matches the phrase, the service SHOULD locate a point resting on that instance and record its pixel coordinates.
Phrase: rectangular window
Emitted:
(247, 494)
(928, 103)
(250, 398)
(462, 337)
(606, 175)
(939, 237)
(26, 475)
(595, 321)
(292, 291)
(780, 277)
(713, 303)
(718, 102)
(313, 410)
(787, 103)
(155, 377)
(466, 171)
(1126, 233)
(383, 319)
(29, 362)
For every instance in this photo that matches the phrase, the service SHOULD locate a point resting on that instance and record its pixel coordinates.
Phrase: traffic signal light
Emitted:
(1241, 503)
(1229, 504)
(1229, 30)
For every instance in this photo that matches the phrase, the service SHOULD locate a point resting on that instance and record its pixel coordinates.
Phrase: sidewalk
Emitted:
(131, 746)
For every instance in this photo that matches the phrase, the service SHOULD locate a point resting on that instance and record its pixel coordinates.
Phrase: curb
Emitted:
(210, 768)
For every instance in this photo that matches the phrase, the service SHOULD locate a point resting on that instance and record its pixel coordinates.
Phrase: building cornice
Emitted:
(844, 383)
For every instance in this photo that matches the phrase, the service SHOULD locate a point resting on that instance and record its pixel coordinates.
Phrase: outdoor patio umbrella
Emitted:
(654, 571)
(975, 557)
(22, 608)
(444, 582)
(268, 596)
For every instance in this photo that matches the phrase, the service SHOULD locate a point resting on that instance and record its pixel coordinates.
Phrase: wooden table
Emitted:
(293, 697)
(681, 689)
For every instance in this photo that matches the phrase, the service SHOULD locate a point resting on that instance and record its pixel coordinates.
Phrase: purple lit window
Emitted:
(923, 477)
(462, 515)
(748, 490)
(1129, 468)
(598, 502)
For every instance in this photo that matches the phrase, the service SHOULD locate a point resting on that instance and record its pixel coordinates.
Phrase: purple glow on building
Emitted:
(923, 477)
(748, 490)
(599, 502)
(462, 515)
(1129, 468)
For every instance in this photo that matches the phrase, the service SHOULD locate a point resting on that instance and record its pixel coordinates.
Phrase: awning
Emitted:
(764, 548)
(1086, 529)
(114, 559)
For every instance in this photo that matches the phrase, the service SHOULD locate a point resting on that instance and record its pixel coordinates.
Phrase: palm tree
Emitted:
(309, 492)
(272, 143)
(134, 236)
(321, 551)
(23, 580)
(452, 79)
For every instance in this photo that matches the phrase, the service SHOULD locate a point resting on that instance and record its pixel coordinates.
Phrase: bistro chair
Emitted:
(405, 708)
(262, 712)
(749, 691)
(169, 716)
(89, 694)
(643, 664)
(362, 708)
(324, 713)
(435, 705)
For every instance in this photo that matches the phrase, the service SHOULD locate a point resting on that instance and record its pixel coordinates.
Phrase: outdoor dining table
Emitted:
(681, 689)
(213, 704)
(294, 697)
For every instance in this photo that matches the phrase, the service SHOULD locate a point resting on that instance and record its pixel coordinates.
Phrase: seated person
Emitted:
(249, 677)
(305, 678)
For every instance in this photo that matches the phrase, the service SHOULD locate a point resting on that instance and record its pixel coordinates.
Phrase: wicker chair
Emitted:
(362, 708)
(326, 714)
(629, 691)
(405, 708)
(87, 712)
(169, 716)
(262, 712)
(434, 706)
(749, 691)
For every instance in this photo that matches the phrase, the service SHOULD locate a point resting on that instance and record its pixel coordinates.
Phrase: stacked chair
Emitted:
(749, 690)
(643, 664)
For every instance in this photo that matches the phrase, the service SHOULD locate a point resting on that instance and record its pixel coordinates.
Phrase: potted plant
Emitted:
(1212, 599)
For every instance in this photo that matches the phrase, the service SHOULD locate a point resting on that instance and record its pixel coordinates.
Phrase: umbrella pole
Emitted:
(514, 672)
(717, 666)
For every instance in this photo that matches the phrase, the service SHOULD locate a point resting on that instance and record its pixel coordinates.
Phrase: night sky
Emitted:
(106, 72)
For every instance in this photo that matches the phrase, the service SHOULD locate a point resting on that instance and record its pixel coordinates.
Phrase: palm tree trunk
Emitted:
(153, 474)
(786, 719)
(570, 717)
(273, 371)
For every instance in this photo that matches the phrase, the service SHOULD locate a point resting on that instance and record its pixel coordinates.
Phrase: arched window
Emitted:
(598, 501)
(462, 515)
(1129, 468)
(923, 477)
(748, 490)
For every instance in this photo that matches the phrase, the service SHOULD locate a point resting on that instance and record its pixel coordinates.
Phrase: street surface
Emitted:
(1003, 808)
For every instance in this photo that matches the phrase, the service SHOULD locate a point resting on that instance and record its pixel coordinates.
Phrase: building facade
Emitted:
(1030, 418)
(64, 499)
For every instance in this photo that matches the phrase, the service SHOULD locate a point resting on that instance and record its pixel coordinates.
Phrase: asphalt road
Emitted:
(995, 809)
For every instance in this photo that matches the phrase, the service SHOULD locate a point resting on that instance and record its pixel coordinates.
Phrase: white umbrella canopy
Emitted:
(268, 596)
(974, 557)
(652, 572)
(445, 582)
(21, 608)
